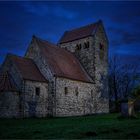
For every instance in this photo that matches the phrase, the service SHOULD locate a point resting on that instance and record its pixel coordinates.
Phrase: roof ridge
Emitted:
(40, 39)
(11, 54)
(57, 58)
(84, 26)
(17, 56)
(79, 33)
(52, 45)
(56, 47)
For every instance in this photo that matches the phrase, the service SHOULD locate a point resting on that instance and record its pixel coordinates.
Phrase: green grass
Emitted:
(87, 127)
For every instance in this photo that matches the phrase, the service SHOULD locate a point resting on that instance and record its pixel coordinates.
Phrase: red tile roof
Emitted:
(7, 83)
(27, 68)
(79, 33)
(61, 62)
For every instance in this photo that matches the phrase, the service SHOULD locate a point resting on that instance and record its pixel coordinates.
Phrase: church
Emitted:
(69, 78)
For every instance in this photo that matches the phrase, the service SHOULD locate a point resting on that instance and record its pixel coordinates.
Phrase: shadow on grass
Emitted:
(37, 132)
(133, 135)
(88, 134)
(113, 130)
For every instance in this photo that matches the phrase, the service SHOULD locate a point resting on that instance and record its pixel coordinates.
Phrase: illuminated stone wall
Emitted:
(79, 99)
(94, 60)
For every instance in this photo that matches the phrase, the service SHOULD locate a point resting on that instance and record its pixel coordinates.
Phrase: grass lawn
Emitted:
(97, 126)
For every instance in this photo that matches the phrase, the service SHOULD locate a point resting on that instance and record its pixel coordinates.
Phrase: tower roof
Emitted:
(79, 33)
(27, 68)
(61, 62)
(7, 83)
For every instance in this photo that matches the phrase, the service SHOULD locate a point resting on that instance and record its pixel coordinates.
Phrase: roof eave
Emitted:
(75, 79)
(76, 39)
(42, 81)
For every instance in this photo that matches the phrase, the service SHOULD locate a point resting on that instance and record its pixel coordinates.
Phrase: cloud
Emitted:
(124, 36)
(48, 9)
(125, 12)
(48, 20)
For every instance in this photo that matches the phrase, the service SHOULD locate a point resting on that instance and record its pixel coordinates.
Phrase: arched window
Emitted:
(66, 90)
(101, 51)
(37, 91)
(78, 47)
(86, 45)
(76, 91)
(101, 46)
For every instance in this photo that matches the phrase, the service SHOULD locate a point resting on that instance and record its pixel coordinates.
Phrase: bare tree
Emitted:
(122, 79)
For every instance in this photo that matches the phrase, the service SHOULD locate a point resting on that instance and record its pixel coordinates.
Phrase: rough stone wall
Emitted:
(79, 99)
(95, 62)
(101, 68)
(27, 99)
(84, 55)
(34, 53)
(35, 105)
(9, 105)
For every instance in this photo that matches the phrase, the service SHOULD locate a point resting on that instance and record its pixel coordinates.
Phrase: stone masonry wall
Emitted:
(84, 55)
(9, 105)
(35, 105)
(79, 99)
(101, 67)
(34, 53)
(95, 62)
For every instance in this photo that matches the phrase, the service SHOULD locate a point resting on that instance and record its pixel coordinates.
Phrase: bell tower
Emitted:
(90, 45)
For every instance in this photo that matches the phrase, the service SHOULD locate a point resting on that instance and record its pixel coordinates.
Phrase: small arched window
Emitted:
(66, 90)
(37, 91)
(76, 91)
(78, 47)
(101, 51)
(101, 46)
(86, 44)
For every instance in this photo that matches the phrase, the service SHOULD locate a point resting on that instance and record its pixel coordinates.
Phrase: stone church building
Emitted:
(67, 79)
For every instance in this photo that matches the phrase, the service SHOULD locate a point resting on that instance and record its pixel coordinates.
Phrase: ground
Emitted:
(97, 126)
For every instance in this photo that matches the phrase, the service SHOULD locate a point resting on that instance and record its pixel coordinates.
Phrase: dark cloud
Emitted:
(124, 36)
(48, 20)
(126, 12)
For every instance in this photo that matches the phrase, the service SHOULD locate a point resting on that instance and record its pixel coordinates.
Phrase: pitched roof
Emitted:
(7, 83)
(61, 62)
(79, 33)
(27, 68)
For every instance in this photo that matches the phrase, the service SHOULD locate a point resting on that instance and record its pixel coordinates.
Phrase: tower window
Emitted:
(101, 46)
(66, 90)
(76, 91)
(86, 44)
(37, 91)
(101, 53)
(78, 47)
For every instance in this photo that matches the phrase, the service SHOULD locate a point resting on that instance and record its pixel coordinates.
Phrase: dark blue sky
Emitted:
(48, 20)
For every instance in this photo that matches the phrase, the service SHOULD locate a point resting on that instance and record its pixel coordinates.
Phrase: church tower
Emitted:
(90, 45)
